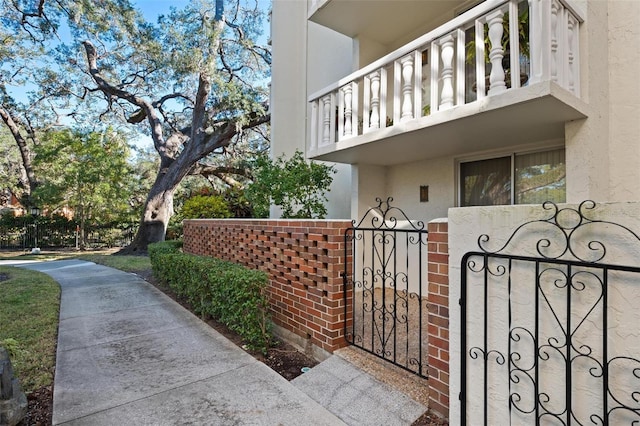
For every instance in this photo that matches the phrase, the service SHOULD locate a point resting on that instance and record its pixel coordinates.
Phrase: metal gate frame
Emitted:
(387, 318)
(573, 273)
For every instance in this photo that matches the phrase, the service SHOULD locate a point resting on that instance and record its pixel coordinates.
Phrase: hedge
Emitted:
(228, 292)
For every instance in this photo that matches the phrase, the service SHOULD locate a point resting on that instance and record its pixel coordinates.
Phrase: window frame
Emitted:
(500, 154)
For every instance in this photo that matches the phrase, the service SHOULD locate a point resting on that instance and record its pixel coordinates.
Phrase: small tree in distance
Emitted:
(86, 172)
(298, 187)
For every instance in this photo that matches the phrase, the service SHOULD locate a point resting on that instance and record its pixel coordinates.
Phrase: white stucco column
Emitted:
(586, 140)
(603, 151)
(624, 98)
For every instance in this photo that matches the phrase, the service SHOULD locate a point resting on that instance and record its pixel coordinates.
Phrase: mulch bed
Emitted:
(430, 419)
(40, 408)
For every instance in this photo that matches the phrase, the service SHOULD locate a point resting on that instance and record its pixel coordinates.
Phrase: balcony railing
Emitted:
(497, 46)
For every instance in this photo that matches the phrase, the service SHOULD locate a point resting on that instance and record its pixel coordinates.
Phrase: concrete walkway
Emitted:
(130, 355)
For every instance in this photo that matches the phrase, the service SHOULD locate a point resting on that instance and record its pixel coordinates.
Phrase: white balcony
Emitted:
(506, 72)
(385, 21)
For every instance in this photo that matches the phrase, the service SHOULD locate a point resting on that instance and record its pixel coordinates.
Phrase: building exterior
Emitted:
(451, 107)
(389, 91)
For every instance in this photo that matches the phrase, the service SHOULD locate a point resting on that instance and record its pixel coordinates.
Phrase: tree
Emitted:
(201, 62)
(28, 32)
(189, 82)
(87, 172)
(293, 184)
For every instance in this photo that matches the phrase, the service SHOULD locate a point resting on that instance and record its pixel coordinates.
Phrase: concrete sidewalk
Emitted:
(129, 355)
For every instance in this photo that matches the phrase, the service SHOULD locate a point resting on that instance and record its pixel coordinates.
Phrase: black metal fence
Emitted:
(552, 338)
(387, 276)
(55, 235)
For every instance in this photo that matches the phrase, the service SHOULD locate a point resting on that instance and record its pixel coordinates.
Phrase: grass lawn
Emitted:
(135, 264)
(29, 309)
(16, 255)
(29, 313)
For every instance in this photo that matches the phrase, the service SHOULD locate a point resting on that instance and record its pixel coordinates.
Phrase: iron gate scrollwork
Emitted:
(388, 302)
(548, 334)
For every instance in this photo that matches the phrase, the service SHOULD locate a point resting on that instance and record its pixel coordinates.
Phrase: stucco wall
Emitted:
(404, 183)
(305, 56)
(465, 227)
(288, 84)
(603, 152)
(624, 94)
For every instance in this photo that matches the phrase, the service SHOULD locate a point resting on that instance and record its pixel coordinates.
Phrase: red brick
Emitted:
(438, 237)
(439, 258)
(439, 279)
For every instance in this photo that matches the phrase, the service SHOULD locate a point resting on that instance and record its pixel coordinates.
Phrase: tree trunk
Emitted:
(83, 234)
(25, 154)
(153, 225)
(158, 208)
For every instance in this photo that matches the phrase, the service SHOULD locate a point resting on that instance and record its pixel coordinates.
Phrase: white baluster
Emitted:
(374, 121)
(534, 42)
(571, 71)
(496, 78)
(348, 109)
(314, 125)
(555, 8)
(326, 120)
(446, 54)
(407, 83)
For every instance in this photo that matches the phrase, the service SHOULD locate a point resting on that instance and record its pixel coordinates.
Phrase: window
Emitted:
(530, 178)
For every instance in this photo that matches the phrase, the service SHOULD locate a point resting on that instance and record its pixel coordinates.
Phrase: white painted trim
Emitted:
(418, 43)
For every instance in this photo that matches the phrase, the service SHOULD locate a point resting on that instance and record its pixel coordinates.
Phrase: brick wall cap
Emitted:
(440, 220)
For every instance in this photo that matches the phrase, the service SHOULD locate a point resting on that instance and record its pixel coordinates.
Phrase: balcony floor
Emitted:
(521, 116)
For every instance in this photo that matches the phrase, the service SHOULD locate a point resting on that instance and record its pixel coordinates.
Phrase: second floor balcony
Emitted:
(504, 72)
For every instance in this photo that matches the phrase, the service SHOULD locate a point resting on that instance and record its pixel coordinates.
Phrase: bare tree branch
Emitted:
(156, 126)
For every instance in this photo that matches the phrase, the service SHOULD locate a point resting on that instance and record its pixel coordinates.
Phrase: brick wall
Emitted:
(438, 321)
(304, 259)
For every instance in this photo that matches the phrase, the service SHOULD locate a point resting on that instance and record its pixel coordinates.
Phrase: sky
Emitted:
(151, 9)
(154, 8)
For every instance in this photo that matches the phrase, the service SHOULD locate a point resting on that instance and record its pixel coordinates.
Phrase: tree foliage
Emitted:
(86, 172)
(298, 187)
(194, 81)
(10, 164)
(205, 206)
(30, 34)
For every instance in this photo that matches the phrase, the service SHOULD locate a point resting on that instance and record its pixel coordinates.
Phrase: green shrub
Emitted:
(229, 292)
(294, 184)
(205, 206)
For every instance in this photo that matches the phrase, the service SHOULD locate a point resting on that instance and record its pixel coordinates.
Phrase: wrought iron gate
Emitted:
(552, 337)
(388, 281)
